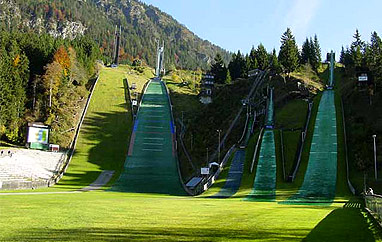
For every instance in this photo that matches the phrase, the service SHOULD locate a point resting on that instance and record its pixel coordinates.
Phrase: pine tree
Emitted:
(289, 55)
(274, 63)
(342, 55)
(252, 56)
(317, 49)
(374, 57)
(228, 78)
(357, 49)
(305, 52)
(262, 57)
(218, 69)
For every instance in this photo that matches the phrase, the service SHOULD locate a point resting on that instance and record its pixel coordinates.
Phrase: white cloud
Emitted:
(300, 15)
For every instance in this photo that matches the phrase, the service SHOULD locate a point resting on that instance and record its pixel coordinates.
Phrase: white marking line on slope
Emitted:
(157, 150)
(159, 144)
(154, 138)
(154, 127)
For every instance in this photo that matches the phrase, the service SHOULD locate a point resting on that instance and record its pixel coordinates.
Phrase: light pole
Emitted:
(219, 131)
(375, 157)
(207, 157)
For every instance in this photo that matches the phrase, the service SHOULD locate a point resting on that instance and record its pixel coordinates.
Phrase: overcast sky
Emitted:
(239, 24)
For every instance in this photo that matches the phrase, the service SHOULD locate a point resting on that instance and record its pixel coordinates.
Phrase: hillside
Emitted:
(141, 26)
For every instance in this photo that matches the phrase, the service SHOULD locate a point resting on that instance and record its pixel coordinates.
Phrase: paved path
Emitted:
(151, 165)
(321, 175)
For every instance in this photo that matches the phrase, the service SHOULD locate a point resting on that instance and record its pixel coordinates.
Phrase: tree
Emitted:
(305, 52)
(52, 81)
(274, 63)
(218, 69)
(357, 49)
(342, 55)
(253, 59)
(262, 57)
(237, 66)
(228, 78)
(374, 56)
(317, 52)
(289, 55)
(311, 53)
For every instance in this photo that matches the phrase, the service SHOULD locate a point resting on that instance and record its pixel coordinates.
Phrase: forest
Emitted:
(43, 79)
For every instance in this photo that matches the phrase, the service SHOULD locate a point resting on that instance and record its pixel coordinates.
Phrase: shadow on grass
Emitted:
(103, 142)
(156, 234)
(350, 223)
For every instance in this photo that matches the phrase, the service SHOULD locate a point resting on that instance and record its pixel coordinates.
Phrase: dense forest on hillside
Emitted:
(142, 26)
(43, 79)
(362, 102)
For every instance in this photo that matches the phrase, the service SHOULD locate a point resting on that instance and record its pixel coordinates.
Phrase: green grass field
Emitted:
(115, 216)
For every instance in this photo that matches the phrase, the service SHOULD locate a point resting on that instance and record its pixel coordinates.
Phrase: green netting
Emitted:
(264, 187)
(269, 120)
(331, 78)
(151, 165)
(319, 184)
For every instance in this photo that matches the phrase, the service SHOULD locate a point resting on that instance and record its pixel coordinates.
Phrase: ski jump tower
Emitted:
(160, 60)
(117, 44)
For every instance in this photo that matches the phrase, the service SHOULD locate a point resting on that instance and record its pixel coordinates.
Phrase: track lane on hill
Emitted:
(151, 165)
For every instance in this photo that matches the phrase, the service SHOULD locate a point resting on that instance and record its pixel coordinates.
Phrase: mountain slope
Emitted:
(141, 26)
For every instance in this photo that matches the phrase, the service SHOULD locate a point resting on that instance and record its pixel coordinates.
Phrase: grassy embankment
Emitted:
(104, 137)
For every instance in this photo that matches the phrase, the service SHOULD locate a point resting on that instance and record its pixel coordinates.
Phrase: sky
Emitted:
(240, 24)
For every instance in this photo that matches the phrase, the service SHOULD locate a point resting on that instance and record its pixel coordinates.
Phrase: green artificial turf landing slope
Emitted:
(151, 164)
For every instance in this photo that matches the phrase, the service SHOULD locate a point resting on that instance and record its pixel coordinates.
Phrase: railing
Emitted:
(373, 204)
(351, 188)
(256, 149)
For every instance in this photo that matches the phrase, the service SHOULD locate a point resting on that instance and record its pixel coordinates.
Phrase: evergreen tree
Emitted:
(289, 55)
(357, 48)
(218, 69)
(305, 52)
(228, 78)
(342, 55)
(237, 66)
(317, 49)
(253, 59)
(274, 63)
(374, 56)
(262, 57)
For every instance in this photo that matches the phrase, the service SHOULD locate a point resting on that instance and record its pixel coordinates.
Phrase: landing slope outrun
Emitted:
(321, 175)
(151, 165)
(264, 187)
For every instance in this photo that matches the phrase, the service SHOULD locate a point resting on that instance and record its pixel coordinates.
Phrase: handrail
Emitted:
(256, 149)
(351, 187)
